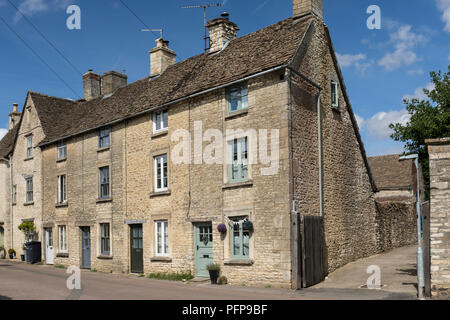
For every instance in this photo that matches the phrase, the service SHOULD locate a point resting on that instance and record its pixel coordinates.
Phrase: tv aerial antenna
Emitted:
(153, 31)
(204, 7)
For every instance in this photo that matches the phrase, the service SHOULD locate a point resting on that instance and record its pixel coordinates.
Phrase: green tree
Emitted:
(430, 119)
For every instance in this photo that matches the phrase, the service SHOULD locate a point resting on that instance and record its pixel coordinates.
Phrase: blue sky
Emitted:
(380, 67)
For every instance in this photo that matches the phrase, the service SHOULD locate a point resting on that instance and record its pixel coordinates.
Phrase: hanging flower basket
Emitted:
(222, 228)
(247, 225)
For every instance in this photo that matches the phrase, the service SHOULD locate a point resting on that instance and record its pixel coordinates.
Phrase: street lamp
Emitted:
(420, 272)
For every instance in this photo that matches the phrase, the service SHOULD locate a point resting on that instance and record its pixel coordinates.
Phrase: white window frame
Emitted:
(160, 160)
(29, 146)
(62, 151)
(62, 189)
(161, 122)
(241, 162)
(14, 194)
(335, 96)
(241, 92)
(28, 191)
(102, 135)
(164, 238)
(62, 232)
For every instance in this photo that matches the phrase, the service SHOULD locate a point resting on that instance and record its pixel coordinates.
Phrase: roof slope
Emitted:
(390, 172)
(259, 51)
(7, 143)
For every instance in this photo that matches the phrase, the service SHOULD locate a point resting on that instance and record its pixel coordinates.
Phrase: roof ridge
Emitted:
(49, 96)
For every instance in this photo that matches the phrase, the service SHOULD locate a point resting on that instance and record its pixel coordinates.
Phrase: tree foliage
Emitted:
(430, 119)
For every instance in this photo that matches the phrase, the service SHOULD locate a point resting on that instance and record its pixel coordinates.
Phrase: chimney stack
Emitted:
(161, 57)
(111, 81)
(91, 85)
(303, 7)
(14, 116)
(221, 30)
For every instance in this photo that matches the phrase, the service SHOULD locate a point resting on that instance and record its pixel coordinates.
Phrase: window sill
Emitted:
(161, 259)
(28, 159)
(239, 262)
(28, 204)
(104, 257)
(62, 205)
(61, 160)
(104, 200)
(160, 193)
(62, 255)
(237, 185)
(103, 149)
(236, 114)
(160, 133)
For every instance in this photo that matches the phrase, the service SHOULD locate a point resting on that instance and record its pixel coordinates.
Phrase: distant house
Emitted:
(395, 179)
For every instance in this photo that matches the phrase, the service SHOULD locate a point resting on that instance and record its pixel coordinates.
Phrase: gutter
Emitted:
(166, 104)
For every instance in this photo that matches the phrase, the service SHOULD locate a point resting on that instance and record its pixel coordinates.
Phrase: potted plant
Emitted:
(12, 253)
(2, 252)
(222, 228)
(214, 271)
(28, 228)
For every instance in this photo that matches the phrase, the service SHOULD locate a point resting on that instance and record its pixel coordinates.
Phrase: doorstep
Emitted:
(199, 280)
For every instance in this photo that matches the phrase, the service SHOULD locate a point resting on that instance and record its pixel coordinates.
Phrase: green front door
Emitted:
(203, 248)
(136, 249)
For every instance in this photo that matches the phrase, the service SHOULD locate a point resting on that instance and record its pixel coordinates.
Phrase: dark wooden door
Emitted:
(86, 247)
(136, 249)
(313, 250)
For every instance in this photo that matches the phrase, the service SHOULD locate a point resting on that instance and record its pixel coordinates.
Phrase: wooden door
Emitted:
(136, 249)
(203, 248)
(49, 257)
(86, 247)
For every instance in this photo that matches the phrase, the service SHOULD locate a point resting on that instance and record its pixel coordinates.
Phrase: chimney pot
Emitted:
(14, 117)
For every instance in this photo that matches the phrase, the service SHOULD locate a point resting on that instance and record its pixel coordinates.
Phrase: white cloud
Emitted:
(444, 6)
(31, 7)
(359, 61)
(360, 121)
(415, 72)
(378, 125)
(404, 40)
(3, 132)
(418, 93)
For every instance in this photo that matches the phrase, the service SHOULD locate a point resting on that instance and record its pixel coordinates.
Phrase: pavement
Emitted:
(19, 281)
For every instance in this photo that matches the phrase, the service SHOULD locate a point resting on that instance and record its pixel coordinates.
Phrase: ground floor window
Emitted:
(240, 239)
(62, 239)
(105, 238)
(162, 237)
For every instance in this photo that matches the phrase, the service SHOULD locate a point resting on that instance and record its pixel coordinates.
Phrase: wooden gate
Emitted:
(313, 260)
(425, 212)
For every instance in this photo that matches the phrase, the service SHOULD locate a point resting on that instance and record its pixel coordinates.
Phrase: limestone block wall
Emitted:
(439, 152)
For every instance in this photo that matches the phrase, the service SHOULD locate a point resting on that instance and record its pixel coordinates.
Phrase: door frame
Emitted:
(82, 228)
(197, 226)
(46, 246)
(131, 226)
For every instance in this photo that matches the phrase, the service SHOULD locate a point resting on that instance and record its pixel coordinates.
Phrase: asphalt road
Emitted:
(19, 281)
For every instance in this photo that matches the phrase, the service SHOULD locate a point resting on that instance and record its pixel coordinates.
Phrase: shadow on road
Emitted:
(5, 298)
(411, 272)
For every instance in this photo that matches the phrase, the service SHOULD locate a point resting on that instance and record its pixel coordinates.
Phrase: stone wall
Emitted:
(4, 204)
(396, 224)
(349, 206)
(439, 152)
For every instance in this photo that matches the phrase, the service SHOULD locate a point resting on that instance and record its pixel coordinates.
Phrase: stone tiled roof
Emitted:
(259, 51)
(7, 143)
(391, 173)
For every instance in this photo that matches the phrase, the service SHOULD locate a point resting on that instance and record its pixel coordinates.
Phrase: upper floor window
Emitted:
(104, 138)
(238, 164)
(29, 189)
(161, 183)
(62, 193)
(62, 151)
(104, 183)
(29, 146)
(105, 239)
(162, 237)
(160, 121)
(334, 94)
(14, 194)
(237, 98)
